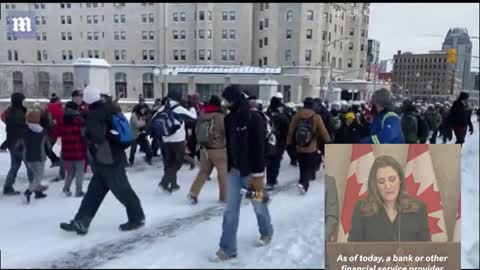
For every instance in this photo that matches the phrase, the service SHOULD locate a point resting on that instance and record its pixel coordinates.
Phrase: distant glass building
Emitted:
(459, 39)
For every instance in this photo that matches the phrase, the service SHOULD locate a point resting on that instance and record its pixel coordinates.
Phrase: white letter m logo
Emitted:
(22, 24)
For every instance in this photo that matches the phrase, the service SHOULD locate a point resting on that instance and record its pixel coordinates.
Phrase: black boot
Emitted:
(74, 226)
(27, 195)
(132, 225)
(174, 188)
(40, 195)
(9, 191)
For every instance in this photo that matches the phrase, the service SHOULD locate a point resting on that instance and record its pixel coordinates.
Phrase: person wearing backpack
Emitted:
(386, 127)
(210, 132)
(245, 132)
(138, 124)
(108, 135)
(305, 130)
(409, 122)
(280, 129)
(459, 118)
(423, 126)
(169, 124)
(434, 120)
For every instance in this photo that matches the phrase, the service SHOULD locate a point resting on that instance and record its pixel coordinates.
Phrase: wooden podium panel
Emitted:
(417, 255)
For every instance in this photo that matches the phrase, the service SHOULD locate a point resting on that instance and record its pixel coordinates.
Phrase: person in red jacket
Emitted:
(56, 111)
(74, 148)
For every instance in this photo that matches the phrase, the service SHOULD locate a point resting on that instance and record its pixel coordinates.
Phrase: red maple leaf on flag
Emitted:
(353, 187)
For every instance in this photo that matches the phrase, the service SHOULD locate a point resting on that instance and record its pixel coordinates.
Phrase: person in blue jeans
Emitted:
(245, 133)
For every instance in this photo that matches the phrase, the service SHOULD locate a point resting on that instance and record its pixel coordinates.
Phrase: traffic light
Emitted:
(452, 56)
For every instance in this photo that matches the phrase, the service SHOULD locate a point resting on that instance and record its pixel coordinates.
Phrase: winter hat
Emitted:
(232, 94)
(91, 94)
(463, 96)
(275, 102)
(381, 97)
(33, 117)
(54, 98)
(308, 103)
(279, 95)
(350, 115)
(17, 99)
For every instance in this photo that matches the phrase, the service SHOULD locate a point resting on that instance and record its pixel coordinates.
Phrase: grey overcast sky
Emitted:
(403, 26)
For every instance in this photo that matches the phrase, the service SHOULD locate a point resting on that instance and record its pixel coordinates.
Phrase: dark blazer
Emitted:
(378, 228)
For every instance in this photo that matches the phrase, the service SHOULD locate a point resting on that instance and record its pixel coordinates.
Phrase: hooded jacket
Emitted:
(385, 128)
(56, 110)
(33, 143)
(14, 117)
(181, 115)
(280, 122)
(320, 132)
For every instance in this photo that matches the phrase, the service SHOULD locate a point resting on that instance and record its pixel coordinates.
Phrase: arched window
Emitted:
(121, 84)
(17, 82)
(67, 84)
(43, 84)
(148, 85)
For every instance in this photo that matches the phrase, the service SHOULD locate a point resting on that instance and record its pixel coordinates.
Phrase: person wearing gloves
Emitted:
(245, 132)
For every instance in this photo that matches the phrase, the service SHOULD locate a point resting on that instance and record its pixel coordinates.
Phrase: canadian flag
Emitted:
(356, 187)
(420, 182)
(458, 227)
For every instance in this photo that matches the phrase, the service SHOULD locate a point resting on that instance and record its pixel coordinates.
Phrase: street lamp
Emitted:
(322, 84)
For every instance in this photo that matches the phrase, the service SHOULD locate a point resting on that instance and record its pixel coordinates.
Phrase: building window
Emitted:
(17, 82)
(266, 5)
(308, 55)
(43, 83)
(183, 17)
(265, 61)
(201, 34)
(115, 19)
(62, 19)
(232, 55)
(148, 85)
(175, 17)
(232, 15)
(175, 34)
(67, 84)
(335, 28)
(183, 55)
(350, 63)
(124, 54)
(209, 34)
(201, 55)
(201, 15)
(121, 84)
(334, 62)
(261, 6)
(260, 43)
(350, 46)
(232, 34)
(116, 35)
(260, 25)
(90, 54)
(70, 55)
(289, 34)
(259, 62)
(183, 34)
(340, 66)
(341, 30)
(145, 56)
(352, 31)
(265, 41)
(225, 16)
(95, 35)
(224, 34)
(309, 15)
(95, 19)
(209, 14)
(325, 17)
(289, 16)
(324, 35)
(209, 55)
(151, 35)
(123, 18)
(362, 47)
(144, 18)
(361, 63)
(329, 36)
(288, 55)
(363, 33)
(175, 55)
(150, 18)
(265, 23)
(123, 35)
(224, 55)
(309, 34)
(89, 35)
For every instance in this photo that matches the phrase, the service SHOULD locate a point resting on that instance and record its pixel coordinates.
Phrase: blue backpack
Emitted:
(163, 123)
(121, 132)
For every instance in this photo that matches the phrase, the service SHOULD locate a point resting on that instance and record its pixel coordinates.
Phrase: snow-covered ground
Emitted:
(180, 235)
(177, 234)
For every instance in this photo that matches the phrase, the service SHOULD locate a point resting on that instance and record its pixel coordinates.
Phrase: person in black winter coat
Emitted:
(349, 131)
(110, 162)
(280, 123)
(16, 128)
(459, 118)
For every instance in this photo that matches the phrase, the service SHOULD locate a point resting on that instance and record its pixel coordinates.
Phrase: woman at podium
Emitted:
(388, 213)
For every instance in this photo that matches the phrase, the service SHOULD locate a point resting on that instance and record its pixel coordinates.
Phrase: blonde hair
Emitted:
(404, 202)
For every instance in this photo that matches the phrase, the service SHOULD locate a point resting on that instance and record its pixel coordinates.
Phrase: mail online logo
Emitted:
(21, 24)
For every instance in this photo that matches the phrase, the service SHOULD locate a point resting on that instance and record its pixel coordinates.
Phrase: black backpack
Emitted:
(304, 132)
(270, 138)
